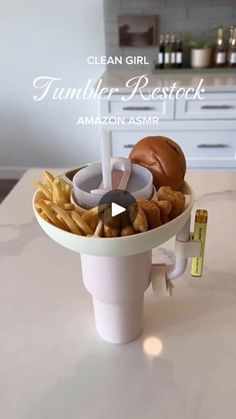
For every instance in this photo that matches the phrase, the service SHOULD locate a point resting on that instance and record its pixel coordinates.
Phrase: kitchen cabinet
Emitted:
(205, 129)
(215, 106)
(138, 107)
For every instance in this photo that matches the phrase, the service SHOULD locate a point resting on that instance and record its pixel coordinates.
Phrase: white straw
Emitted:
(106, 159)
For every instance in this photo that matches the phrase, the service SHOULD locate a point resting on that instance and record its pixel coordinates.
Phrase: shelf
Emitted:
(195, 70)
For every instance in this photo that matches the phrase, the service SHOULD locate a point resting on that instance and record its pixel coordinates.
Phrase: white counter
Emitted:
(213, 81)
(54, 366)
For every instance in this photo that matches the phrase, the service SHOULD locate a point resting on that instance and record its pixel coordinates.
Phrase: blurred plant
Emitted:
(206, 40)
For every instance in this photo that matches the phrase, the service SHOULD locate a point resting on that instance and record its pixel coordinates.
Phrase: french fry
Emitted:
(99, 229)
(49, 213)
(44, 188)
(49, 178)
(94, 222)
(68, 206)
(64, 225)
(63, 215)
(40, 195)
(91, 218)
(59, 197)
(67, 191)
(90, 212)
(47, 202)
(38, 205)
(111, 225)
(44, 216)
(81, 224)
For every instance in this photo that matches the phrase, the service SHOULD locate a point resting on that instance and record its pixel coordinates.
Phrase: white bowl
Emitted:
(118, 246)
(140, 184)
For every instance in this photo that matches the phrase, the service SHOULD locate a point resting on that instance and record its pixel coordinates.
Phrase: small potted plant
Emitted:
(201, 51)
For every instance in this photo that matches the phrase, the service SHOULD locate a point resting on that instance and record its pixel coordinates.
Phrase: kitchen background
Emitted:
(192, 17)
(54, 39)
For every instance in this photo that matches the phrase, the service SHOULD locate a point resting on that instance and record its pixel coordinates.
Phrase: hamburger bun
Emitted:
(164, 158)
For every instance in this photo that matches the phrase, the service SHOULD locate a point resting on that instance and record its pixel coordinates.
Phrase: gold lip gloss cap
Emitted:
(201, 216)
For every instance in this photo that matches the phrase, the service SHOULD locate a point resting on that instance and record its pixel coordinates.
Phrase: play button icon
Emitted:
(117, 207)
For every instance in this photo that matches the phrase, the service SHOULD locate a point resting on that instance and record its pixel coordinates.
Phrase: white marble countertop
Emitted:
(54, 366)
(222, 81)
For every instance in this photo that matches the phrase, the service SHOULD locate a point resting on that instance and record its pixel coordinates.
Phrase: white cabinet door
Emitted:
(213, 149)
(214, 106)
(164, 109)
(202, 149)
(123, 141)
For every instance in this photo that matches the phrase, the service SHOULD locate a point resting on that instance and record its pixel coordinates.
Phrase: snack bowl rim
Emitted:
(117, 246)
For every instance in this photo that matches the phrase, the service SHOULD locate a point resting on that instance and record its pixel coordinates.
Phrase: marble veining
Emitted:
(217, 196)
(23, 233)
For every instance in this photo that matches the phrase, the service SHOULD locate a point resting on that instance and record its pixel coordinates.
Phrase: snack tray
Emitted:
(118, 246)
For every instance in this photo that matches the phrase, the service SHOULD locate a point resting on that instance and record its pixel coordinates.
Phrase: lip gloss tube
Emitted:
(200, 228)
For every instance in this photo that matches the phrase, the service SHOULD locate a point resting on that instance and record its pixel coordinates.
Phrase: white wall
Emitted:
(54, 38)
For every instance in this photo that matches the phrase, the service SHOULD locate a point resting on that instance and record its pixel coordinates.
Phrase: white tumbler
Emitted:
(117, 286)
(117, 271)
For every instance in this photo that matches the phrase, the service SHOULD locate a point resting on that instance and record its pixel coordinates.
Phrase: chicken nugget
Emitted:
(152, 213)
(126, 227)
(176, 198)
(137, 218)
(165, 208)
